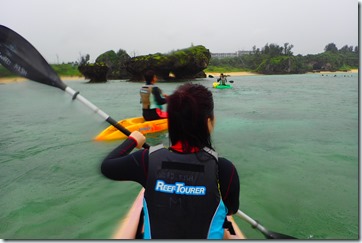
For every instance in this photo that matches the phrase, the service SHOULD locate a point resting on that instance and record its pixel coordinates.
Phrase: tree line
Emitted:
(275, 59)
(271, 59)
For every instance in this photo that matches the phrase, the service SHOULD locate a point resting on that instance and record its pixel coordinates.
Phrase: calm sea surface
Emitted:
(293, 139)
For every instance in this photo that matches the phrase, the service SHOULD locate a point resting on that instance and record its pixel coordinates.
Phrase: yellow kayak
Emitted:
(132, 124)
(129, 225)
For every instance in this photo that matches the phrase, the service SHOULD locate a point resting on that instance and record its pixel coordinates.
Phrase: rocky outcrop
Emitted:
(116, 64)
(181, 64)
(186, 63)
(96, 72)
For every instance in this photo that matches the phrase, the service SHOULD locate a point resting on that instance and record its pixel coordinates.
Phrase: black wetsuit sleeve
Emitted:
(157, 93)
(122, 165)
(229, 185)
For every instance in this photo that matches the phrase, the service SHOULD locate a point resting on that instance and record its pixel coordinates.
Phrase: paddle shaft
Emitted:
(98, 111)
(268, 234)
(251, 221)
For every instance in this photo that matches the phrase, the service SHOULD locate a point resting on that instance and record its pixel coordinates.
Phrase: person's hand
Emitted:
(139, 137)
(165, 95)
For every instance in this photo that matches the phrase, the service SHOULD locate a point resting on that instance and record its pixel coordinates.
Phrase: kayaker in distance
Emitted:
(222, 79)
(189, 189)
(152, 98)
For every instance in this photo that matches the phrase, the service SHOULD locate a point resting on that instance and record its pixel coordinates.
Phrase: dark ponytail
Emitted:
(189, 108)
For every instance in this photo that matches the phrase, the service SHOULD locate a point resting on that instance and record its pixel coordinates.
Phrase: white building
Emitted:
(230, 54)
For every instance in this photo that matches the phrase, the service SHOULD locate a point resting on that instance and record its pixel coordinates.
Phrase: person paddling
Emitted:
(189, 189)
(152, 98)
(222, 79)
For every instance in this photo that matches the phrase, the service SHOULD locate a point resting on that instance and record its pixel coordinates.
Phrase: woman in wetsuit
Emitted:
(189, 189)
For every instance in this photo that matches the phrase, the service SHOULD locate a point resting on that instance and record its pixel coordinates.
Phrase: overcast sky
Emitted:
(62, 30)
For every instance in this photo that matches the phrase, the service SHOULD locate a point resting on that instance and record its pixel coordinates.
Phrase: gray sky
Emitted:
(62, 30)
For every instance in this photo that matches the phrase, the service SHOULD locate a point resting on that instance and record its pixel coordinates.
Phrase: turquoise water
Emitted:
(293, 139)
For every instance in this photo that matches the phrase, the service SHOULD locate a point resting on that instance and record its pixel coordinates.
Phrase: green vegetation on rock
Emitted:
(184, 63)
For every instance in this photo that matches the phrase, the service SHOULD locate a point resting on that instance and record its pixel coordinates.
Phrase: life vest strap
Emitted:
(229, 226)
(139, 232)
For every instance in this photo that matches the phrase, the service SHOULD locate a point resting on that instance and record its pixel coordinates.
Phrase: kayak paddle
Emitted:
(268, 234)
(21, 57)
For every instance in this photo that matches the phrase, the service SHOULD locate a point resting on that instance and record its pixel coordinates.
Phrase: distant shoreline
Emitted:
(21, 79)
(232, 74)
(216, 75)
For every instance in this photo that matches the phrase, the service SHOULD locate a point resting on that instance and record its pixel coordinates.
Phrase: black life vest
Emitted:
(182, 197)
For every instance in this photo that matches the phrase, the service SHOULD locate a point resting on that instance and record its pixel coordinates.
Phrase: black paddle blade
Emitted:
(21, 57)
(274, 235)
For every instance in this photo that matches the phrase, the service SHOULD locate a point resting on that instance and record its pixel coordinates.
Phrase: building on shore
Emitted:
(230, 54)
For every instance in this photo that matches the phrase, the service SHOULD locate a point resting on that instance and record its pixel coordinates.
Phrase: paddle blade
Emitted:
(21, 58)
(274, 235)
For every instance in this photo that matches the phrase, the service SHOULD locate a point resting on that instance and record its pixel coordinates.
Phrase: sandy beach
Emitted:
(21, 79)
(231, 74)
(352, 71)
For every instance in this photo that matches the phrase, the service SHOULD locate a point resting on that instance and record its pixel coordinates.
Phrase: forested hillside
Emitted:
(275, 59)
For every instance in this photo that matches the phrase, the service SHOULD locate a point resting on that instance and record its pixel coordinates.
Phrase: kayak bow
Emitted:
(132, 124)
(129, 225)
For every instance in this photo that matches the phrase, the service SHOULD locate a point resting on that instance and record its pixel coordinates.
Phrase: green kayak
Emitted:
(216, 85)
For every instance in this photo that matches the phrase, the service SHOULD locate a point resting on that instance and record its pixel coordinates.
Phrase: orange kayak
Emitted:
(132, 124)
(128, 226)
